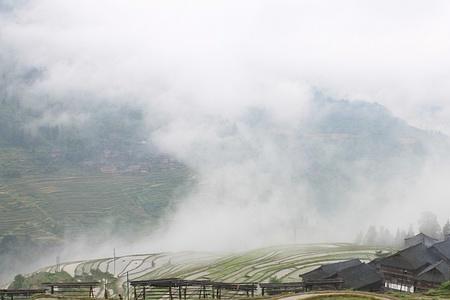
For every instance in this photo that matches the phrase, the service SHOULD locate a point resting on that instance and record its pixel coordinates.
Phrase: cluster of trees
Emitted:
(36, 280)
(382, 236)
(429, 225)
(78, 124)
(18, 253)
(85, 126)
(84, 132)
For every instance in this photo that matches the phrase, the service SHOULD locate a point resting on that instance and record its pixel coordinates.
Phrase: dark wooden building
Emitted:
(329, 270)
(433, 275)
(419, 267)
(354, 274)
(10, 294)
(420, 238)
(363, 277)
(443, 249)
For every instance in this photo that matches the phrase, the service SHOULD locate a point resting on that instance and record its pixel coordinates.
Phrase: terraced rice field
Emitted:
(284, 262)
(47, 207)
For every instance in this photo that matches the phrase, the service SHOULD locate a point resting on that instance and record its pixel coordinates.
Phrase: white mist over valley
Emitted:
(219, 126)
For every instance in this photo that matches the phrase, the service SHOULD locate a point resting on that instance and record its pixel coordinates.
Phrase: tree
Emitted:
(446, 229)
(18, 283)
(410, 231)
(385, 237)
(371, 236)
(399, 239)
(429, 225)
(359, 238)
(274, 279)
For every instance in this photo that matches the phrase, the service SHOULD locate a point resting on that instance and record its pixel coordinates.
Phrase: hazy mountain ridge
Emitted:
(346, 146)
(111, 177)
(366, 143)
(362, 135)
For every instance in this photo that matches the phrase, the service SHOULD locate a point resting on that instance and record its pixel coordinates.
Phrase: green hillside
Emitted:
(46, 206)
(41, 209)
(99, 171)
(62, 179)
(285, 263)
(65, 178)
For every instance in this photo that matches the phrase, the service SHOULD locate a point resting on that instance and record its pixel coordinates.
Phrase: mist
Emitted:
(254, 97)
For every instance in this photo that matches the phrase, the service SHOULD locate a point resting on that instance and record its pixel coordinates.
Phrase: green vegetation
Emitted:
(35, 280)
(271, 264)
(274, 279)
(37, 212)
(48, 206)
(281, 263)
(92, 172)
(93, 167)
(442, 291)
(347, 297)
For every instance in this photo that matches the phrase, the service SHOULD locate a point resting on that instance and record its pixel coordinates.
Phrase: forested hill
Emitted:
(68, 167)
(82, 167)
(98, 174)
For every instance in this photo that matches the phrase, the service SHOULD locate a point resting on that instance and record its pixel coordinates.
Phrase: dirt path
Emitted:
(334, 293)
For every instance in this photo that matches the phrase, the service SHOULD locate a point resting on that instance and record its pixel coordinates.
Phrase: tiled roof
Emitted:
(328, 270)
(421, 235)
(356, 275)
(359, 276)
(437, 272)
(412, 258)
(443, 248)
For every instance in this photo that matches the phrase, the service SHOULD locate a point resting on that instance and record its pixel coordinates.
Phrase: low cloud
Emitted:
(228, 89)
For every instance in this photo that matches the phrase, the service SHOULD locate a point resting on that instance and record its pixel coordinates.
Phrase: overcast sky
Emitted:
(392, 52)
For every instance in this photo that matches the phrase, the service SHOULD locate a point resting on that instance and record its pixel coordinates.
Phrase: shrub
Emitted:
(274, 279)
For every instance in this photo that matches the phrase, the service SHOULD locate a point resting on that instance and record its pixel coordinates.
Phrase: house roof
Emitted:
(443, 248)
(412, 258)
(437, 272)
(356, 275)
(359, 276)
(422, 235)
(328, 270)
(430, 267)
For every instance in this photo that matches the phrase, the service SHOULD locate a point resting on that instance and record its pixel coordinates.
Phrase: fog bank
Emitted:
(247, 95)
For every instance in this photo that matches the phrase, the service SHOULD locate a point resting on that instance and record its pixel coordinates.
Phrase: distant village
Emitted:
(422, 264)
(116, 162)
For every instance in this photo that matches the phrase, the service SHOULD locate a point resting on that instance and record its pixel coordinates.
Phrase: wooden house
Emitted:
(433, 275)
(355, 275)
(420, 238)
(417, 267)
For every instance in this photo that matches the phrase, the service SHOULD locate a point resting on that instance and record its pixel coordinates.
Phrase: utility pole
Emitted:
(114, 261)
(57, 263)
(128, 287)
(106, 289)
(295, 234)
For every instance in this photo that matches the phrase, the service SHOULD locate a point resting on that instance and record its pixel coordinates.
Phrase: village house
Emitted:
(420, 239)
(433, 275)
(425, 264)
(328, 270)
(355, 275)
(418, 267)
(56, 153)
(108, 169)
